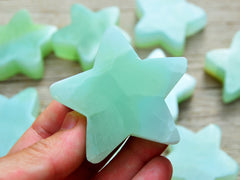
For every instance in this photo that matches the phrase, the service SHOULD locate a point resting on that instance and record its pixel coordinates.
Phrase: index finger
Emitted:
(46, 124)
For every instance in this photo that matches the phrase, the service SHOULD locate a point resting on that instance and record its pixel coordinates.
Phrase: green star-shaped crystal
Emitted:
(121, 96)
(80, 40)
(16, 116)
(23, 44)
(167, 23)
(224, 64)
(181, 91)
(198, 156)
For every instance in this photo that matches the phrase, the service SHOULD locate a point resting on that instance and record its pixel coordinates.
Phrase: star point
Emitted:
(182, 91)
(121, 96)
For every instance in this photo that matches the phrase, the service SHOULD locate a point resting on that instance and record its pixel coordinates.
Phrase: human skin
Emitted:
(54, 148)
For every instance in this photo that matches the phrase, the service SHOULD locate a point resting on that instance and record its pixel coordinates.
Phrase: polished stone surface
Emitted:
(182, 91)
(121, 96)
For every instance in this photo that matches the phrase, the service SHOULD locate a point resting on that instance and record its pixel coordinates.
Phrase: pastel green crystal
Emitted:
(23, 44)
(121, 96)
(182, 91)
(16, 116)
(80, 40)
(167, 23)
(224, 64)
(198, 156)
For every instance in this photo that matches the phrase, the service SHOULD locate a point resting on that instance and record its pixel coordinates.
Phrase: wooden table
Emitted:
(206, 105)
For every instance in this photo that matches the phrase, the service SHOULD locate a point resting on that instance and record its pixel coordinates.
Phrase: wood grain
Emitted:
(203, 108)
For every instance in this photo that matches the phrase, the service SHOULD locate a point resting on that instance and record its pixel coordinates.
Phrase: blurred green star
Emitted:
(23, 44)
(224, 64)
(80, 40)
(16, 115)
(198, 156)
(167, 23)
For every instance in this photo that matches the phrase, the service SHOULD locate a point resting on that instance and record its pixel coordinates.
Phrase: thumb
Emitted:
(52, 158)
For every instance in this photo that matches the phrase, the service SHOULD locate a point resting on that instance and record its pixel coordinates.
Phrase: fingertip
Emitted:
(45, 125)
(75, 123)
(71, 119)
(50, 120)
(164, 164)
(158, 168)
(57, 105)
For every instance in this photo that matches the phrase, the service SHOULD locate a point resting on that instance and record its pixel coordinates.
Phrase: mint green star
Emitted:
(80, 40)
(181, 91)
(121, 96)
(23, 44)
(167, 23)
(198, 156)
(16, 116)
(224, 65)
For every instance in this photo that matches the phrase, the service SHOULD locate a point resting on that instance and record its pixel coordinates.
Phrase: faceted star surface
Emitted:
(167, 23)
(182, 90)
(224, 64)
(16, 116)
(23, 44)
(198, 156)
(80, 40)
(121, 96)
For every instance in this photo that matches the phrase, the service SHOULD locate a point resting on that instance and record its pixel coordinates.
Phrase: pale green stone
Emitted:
(16, 116)
(167, 23)
(23, 44)
(198, 156)
(224, 64)
(80, 40)
(121, 96)
(182, 91)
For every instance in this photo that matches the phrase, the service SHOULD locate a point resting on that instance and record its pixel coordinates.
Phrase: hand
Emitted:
(54, 148)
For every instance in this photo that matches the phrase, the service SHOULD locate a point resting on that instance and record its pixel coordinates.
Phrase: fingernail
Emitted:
(70, 120)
